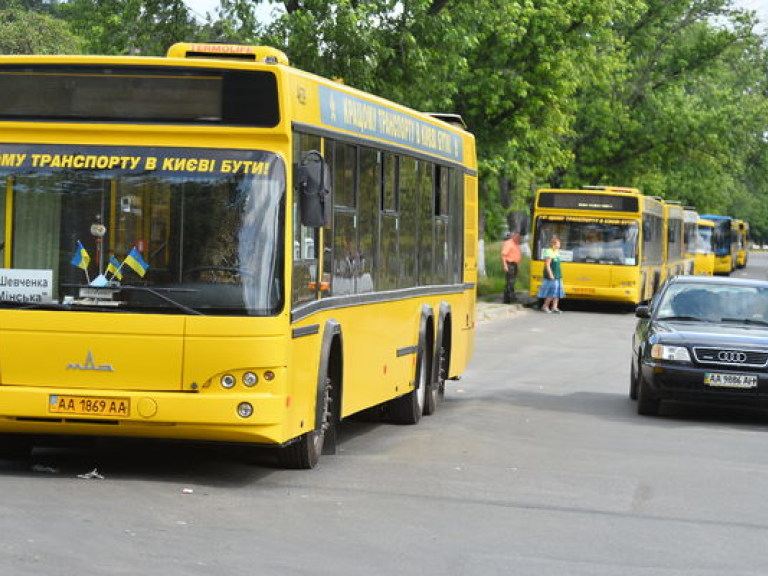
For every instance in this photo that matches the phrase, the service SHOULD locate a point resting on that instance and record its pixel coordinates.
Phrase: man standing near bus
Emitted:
(510, 258)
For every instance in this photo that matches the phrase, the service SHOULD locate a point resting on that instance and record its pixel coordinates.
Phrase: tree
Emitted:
(146, 27)
(26, 32)
(683, 114)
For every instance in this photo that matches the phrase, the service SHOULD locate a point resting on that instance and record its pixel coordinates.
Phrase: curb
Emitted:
(488, 311)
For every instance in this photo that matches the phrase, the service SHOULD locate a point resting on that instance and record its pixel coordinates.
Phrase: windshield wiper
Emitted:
(164, 298)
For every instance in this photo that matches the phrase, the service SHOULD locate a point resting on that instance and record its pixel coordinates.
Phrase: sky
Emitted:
(759, 6)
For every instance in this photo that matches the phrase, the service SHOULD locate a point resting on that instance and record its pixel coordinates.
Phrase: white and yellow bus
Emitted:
(704, 264)
(216, 246)
(675, 258)
(612, 242)
(690, 238)
(742, 249)
(725, 243)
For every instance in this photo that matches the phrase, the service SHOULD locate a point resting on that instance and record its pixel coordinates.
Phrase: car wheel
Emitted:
(633, 378)
(647, 405)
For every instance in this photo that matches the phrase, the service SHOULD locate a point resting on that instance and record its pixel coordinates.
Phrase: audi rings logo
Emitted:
(732, 357)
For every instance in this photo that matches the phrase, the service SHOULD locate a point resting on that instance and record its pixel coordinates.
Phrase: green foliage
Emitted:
(31, 32)
(146, 27)
(667, 95)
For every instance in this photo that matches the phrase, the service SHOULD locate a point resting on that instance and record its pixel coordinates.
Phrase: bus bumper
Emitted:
(191, 416)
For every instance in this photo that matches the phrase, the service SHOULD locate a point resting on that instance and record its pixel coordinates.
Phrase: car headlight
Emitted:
(664, 352)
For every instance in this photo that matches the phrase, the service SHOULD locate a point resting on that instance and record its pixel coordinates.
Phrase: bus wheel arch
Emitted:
(305, 451)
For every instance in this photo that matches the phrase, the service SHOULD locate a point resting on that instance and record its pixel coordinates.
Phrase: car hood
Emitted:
(709, 333)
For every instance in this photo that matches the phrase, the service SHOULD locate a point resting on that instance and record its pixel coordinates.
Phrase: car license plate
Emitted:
(730, 380)
(89, 405)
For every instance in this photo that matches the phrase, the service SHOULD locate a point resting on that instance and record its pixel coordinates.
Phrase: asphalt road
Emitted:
(535, 464)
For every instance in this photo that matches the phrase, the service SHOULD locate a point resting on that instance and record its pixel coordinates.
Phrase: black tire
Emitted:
(647, 405)
(432, 395)
(409, 408)
(304, 453)
(633, 380)
(436, 391)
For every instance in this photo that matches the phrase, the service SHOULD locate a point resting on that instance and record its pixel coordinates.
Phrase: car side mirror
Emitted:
(312, 180)
(643, 311)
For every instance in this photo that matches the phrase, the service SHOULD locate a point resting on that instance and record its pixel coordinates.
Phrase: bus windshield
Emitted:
(161, 230)
(704, 240)
(589, 240)
(722, 237)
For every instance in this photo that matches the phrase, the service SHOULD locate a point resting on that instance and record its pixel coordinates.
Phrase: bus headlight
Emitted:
(227, 381)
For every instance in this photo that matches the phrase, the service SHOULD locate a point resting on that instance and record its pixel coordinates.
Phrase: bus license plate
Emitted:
(89, 405)
(730, 380)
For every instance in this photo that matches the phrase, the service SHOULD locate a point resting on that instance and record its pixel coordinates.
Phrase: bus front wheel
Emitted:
(305, 452)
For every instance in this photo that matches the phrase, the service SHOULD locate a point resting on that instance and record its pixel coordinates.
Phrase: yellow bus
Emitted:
(675, 260)
(216, 246)
(612, 242)
(690, 238)
(705, 248)
(742, 250)
(725, 243)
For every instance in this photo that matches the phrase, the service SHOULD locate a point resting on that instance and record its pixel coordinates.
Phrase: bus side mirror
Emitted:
(313, 185)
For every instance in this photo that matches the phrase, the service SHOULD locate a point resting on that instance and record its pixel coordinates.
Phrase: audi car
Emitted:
(702, 339)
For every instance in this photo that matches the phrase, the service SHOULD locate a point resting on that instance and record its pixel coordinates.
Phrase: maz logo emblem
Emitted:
(732, 357)
(89, 364)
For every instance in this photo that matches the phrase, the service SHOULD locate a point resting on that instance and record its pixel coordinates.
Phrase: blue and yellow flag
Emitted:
(81, 258)
(113, 267)
(136, 262)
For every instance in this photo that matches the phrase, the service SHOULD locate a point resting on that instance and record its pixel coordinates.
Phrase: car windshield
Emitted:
(162, 230)
(726, 303)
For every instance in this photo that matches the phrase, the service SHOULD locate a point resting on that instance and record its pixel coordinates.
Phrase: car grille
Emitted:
(731, 357)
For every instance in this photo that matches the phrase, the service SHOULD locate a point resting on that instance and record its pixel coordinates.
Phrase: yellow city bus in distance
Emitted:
(216, 246)
(690, 238)
(611, 242)
(705, 248)
(725, 240)
(674, 248)
(742, 250)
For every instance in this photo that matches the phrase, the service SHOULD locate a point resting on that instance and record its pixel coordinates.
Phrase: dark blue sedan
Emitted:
(702, 339)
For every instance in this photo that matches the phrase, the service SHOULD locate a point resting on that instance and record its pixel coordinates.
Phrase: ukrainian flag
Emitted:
(113, 267)
(81, 258)
(136, 262)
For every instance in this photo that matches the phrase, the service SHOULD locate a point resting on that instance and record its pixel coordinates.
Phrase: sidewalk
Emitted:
(491, 307)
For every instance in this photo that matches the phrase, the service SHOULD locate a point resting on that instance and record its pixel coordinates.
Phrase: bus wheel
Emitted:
(436, 389)
(409, 408)
(304, 453)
